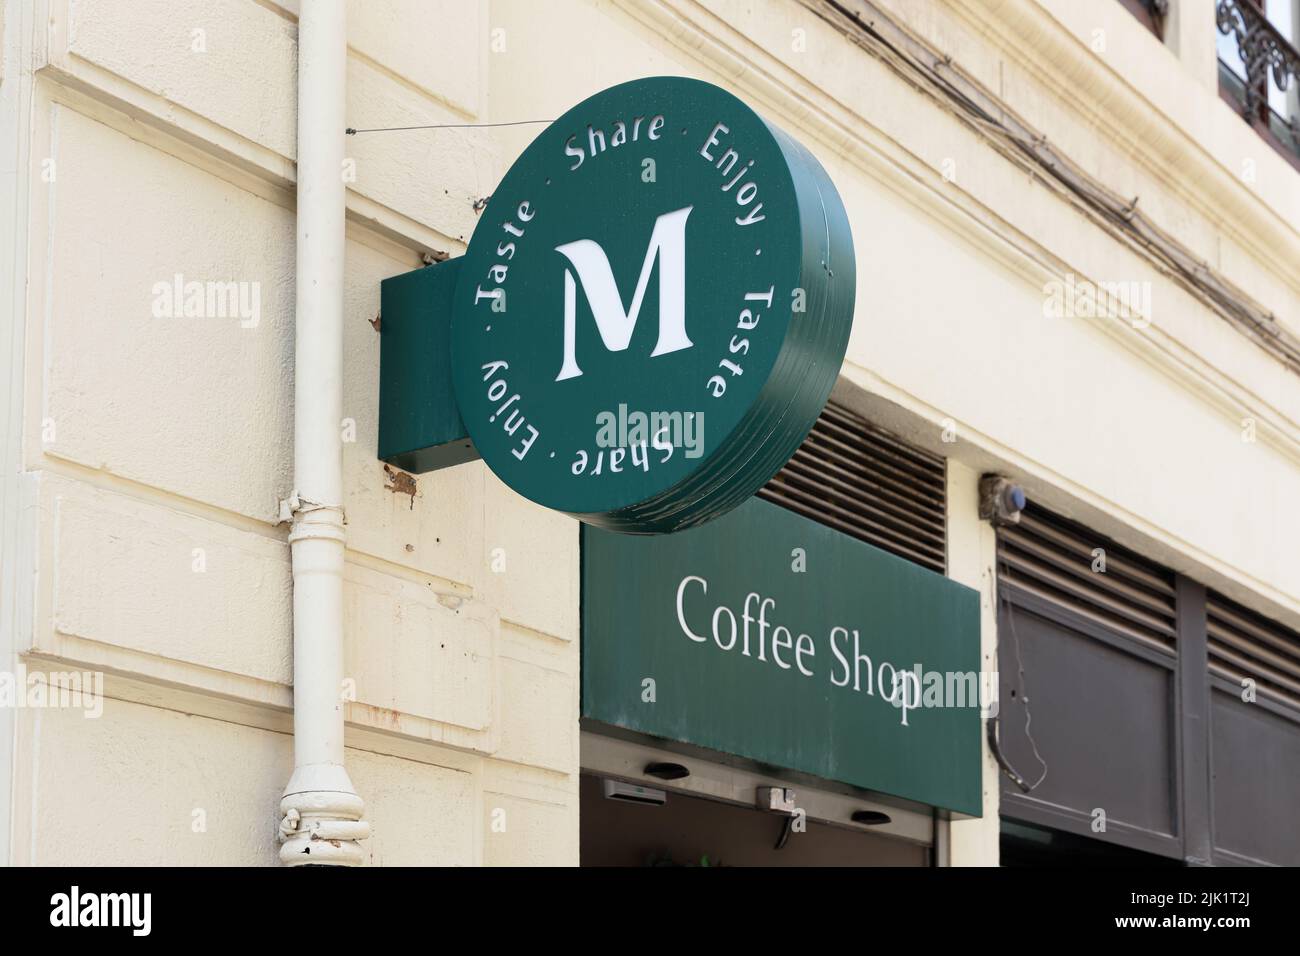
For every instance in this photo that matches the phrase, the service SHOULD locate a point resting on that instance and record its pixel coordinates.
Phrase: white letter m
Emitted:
(668, 244)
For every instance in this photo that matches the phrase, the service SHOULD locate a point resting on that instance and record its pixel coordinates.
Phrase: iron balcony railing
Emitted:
(1264, 52)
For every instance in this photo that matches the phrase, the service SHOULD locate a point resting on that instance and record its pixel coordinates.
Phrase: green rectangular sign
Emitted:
(766, 635)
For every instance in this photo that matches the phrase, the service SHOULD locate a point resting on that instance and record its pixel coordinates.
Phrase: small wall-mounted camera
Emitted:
(1001, 500)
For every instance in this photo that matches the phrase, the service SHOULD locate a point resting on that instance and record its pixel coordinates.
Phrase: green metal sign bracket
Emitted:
(420, 428)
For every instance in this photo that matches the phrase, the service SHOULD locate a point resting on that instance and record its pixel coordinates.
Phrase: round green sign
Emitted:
(653, 308)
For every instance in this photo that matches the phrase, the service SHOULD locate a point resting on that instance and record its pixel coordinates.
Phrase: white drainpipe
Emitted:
(321, 810)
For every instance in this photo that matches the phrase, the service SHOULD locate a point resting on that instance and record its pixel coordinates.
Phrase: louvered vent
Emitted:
(1243, 644)
(861, 480)
(1052, 558)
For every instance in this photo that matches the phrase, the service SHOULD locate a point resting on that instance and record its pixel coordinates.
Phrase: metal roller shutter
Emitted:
(861, 480)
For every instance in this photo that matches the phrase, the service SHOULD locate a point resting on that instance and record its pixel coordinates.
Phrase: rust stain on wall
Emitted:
(400, 483)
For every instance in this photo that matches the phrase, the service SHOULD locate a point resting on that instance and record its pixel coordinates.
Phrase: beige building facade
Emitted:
(148, 446)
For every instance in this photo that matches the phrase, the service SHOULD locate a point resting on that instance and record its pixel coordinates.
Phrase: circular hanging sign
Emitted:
(653, 308)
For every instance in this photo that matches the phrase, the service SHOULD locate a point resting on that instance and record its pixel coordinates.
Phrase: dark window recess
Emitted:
(859, 479)
(1025, 845)
(1151, 13)
(1054, 559)
(1243, 644)
(1259, 67)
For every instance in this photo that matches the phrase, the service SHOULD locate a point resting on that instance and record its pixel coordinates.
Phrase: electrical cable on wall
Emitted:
(995, 741)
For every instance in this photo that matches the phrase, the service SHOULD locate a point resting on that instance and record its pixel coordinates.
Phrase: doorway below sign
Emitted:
(687, 830)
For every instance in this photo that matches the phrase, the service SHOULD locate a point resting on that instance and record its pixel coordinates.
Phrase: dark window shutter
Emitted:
(866, 482)
(1052, 558)
(1243, 644)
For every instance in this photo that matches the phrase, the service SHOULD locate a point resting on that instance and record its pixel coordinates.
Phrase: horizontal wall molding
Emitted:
(1144, 128)
(846, 130)
(138, 112)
